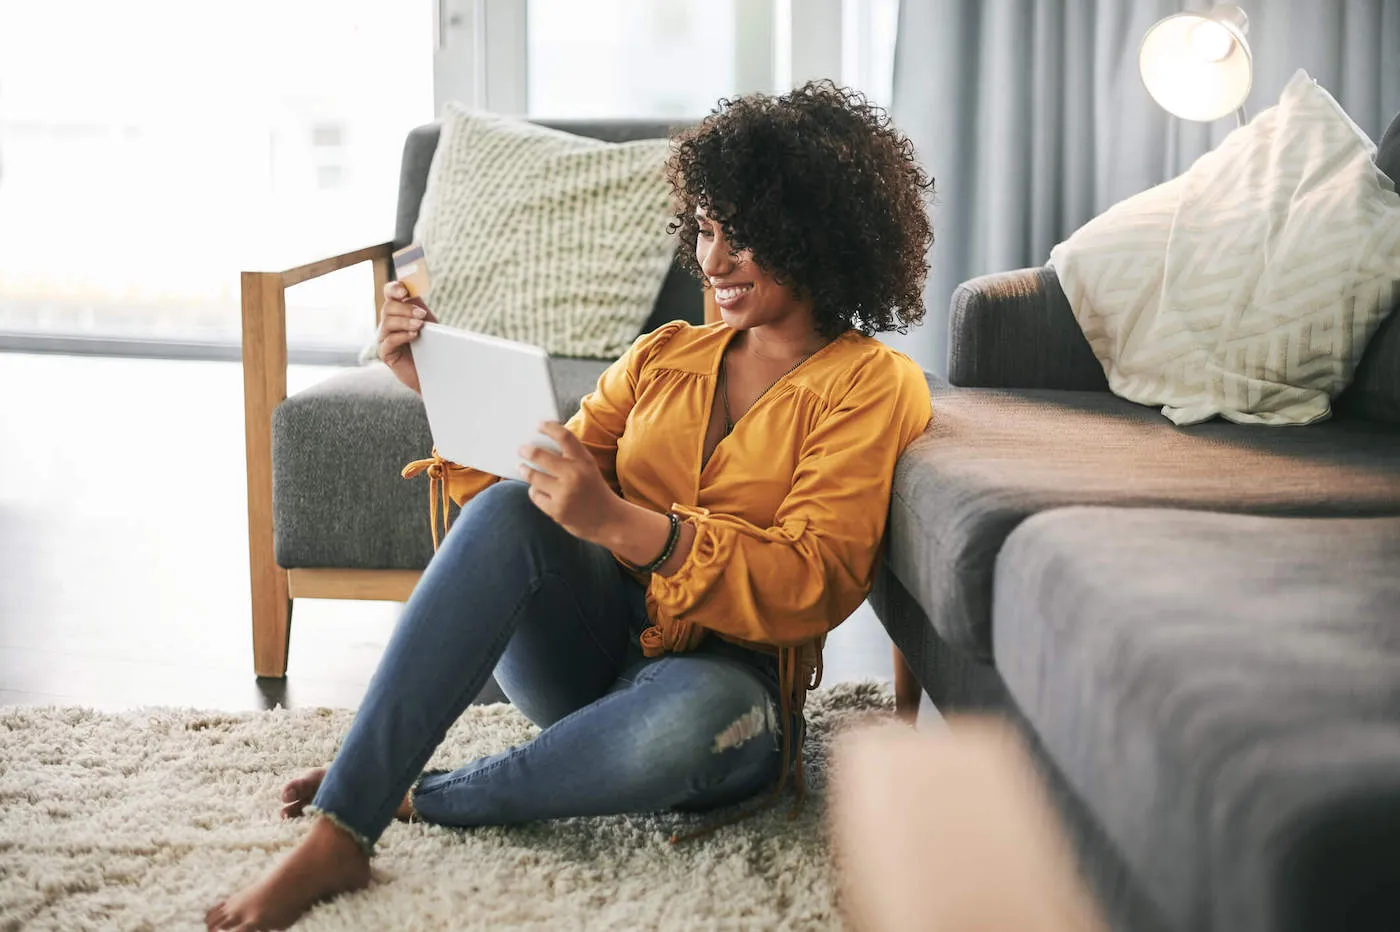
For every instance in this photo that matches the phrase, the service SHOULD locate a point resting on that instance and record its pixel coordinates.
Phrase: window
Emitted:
(867, 47)
(150, 150)
(674, 59)
(328, 150)
(629, 58)
(162, 146)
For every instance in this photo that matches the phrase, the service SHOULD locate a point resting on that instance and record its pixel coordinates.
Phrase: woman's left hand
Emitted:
(570, 489)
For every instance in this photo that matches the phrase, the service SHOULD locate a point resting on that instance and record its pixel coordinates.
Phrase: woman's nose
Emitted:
(717, 259)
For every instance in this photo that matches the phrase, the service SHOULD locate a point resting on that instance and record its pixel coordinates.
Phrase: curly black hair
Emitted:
(824, 191)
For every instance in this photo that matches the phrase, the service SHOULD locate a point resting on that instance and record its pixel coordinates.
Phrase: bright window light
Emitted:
(668, 59)
(150, 150)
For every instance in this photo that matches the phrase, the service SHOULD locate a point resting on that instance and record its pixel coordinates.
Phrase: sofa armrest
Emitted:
(1016, 330)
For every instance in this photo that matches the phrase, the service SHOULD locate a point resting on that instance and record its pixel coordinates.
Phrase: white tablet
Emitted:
(485, 396)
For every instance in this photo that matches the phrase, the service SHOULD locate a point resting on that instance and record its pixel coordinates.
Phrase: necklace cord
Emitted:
(724, 386)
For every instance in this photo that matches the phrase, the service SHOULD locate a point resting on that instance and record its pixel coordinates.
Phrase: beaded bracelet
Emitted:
(670, 545)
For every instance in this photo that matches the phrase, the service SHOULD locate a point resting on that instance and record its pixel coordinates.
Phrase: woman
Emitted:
(656, 598)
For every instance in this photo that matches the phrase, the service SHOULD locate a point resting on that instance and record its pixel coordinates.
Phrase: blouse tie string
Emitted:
(652, 643)
(436, 468)
(675, 636)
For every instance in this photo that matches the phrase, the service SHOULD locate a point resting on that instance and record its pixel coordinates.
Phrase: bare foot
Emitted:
(299, 792)
(326, 863)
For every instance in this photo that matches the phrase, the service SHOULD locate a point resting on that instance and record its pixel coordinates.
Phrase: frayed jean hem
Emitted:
(365, 844)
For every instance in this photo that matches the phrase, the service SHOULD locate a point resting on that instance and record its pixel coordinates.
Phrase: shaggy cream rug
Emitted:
(143, 820)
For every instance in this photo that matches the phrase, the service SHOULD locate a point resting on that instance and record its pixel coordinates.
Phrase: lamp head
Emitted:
(1198, 66)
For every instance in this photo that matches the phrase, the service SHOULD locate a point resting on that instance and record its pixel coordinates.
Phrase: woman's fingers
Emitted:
(397, 328)
(536, 477)
(397, 304)
(542, 500)
(392, 342)
(406, 308)
(544, 458)
(542, 484)
(398, 310)
(571, 446)
(401, 322)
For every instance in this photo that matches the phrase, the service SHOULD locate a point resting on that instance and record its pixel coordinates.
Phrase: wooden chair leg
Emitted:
(907, 691)
(264, 387)
(272, 627)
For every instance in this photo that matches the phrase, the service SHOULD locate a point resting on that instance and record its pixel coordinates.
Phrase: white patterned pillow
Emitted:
(1248, 286)
(542, 236)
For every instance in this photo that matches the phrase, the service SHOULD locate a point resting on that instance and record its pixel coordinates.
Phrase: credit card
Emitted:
(411, 268)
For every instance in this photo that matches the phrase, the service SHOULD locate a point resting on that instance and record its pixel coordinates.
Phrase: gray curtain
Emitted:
(1032, 118)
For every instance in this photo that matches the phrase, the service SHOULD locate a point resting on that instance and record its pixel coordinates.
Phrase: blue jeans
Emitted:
(558, 620)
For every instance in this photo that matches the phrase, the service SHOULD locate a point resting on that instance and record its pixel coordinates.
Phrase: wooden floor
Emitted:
(123, 549)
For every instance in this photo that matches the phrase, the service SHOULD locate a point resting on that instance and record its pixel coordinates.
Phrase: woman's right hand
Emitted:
(400, 321)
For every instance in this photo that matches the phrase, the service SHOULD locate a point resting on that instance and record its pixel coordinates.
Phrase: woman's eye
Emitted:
(708, 234)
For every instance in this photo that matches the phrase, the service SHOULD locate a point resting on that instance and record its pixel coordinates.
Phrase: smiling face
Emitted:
(747, 295)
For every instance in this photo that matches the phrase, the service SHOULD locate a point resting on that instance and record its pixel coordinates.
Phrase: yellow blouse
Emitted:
(790, 510)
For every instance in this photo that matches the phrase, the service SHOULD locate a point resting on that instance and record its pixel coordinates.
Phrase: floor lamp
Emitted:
(1198, 66)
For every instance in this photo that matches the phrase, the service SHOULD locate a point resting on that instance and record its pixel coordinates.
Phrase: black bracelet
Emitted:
(671, 539)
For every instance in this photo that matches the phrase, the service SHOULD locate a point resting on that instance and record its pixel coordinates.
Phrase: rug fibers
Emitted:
(142, 820)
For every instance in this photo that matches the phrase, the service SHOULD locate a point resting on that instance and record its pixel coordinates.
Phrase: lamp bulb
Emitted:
(1210, 41)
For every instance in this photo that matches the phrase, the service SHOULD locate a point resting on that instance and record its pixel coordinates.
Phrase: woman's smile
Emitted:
(730, 297)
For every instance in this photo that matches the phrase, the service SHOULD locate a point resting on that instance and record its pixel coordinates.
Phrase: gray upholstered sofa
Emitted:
(1197, 629)
(338, 502)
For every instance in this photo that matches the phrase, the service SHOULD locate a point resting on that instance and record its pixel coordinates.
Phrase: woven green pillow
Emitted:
(542, 236)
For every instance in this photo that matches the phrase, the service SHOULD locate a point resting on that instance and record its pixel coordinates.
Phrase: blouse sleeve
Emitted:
(785, 584)
(600, 420)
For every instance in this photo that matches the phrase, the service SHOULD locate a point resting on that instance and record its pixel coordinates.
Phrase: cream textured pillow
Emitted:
(1248, 286)
(542, 236)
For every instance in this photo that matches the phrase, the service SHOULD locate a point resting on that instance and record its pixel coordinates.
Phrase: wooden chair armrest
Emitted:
(265, 319)
(303, 273)
(264, 387)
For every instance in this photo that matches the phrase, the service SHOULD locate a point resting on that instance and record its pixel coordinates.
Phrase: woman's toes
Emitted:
(299, 792)
(325, 863)
(215, 917)
(304, 786)
(405, 811)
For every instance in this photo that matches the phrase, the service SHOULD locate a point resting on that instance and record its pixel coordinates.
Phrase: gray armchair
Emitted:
(328, 514)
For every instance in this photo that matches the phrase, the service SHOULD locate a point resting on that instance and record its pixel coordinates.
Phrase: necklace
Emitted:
(724, 385)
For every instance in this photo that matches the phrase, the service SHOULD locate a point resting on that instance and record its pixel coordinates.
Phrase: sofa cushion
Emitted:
(337, 448)
(1248, 286)
(992, 458)
(1223, 691)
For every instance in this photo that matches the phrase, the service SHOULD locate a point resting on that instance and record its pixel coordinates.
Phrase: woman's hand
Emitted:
(571, 489)
(400, 321)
